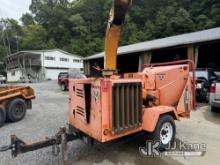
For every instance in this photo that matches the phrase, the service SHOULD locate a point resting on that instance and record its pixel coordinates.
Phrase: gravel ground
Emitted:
(50, 112)
(50, 109)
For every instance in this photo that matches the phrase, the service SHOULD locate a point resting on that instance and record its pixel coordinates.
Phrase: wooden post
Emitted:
(196, 55)
(87, 67)
(144, 58)
(191, 53)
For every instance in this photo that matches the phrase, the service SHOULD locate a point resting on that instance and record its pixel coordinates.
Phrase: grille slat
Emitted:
(127, 106)
(136, 105)
(117, 108)
(122, 101)
(132, 105)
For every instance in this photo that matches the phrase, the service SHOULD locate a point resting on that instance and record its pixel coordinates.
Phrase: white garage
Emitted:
(39, 65)
(52, 73)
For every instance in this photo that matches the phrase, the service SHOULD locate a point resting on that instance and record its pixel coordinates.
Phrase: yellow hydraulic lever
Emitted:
(113, 33)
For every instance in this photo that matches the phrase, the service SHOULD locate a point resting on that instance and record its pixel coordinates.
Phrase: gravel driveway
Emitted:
(50, 112)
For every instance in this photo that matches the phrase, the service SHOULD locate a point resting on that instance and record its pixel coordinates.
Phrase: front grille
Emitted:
(126, 106)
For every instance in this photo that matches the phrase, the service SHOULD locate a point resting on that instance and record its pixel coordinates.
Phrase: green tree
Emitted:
(34, 37)
(10, 33)
(3, 52)
(27, 19)
(79, 26)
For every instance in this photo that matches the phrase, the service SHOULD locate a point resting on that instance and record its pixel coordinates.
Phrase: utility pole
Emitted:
(17, 46)
(6, 32)
(3, 38)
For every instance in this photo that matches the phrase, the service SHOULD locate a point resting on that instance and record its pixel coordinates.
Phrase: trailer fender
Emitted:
(152, 115)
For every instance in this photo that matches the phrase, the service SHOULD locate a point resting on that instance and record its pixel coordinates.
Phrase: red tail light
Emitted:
(213, 88)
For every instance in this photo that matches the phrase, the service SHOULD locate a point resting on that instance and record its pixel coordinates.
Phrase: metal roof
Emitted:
(184, 39)
(34, 52)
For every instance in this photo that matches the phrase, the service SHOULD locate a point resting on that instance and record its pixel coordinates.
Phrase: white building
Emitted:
(40, 65)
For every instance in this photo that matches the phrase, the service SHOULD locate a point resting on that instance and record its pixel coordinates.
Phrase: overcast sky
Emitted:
(13, 8)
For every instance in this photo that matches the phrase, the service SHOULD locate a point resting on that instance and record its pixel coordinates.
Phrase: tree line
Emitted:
(78, 26)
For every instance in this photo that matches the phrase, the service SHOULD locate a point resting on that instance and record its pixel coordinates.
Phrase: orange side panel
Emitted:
(93, 128)
(170, 84)
(186, 101)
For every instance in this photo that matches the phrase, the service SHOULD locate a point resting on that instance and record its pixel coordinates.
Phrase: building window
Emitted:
(50, 58)
(64, 59)
(77, 61)
(13, 73)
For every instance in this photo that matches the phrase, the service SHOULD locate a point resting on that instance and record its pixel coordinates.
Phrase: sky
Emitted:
(13, 8)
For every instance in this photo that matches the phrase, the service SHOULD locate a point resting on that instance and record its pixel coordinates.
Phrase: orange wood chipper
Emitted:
(113, 106)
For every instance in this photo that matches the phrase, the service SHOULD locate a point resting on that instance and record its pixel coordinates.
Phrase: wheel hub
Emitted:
(166, 133)
(18, 110)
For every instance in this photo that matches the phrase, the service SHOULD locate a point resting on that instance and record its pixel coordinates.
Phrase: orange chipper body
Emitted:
(114, 106)
(110, 108)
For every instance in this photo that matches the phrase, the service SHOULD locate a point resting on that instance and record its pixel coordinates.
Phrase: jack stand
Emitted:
(64, 147)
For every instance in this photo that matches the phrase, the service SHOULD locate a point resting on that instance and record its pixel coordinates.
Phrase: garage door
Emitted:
(52, 74)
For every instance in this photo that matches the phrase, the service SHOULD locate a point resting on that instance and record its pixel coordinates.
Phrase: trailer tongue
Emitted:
(18, 146)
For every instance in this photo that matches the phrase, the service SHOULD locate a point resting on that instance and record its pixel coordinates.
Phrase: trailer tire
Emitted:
(63, 87)
(214, 109)
(2, 116)
(16, 110)
(165, 131)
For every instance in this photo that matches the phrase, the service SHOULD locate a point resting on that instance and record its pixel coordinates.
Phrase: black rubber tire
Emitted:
(2, 116)
(214, 109)
(207, 97)
(155, 136)
(16, 110)
(63, 87)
